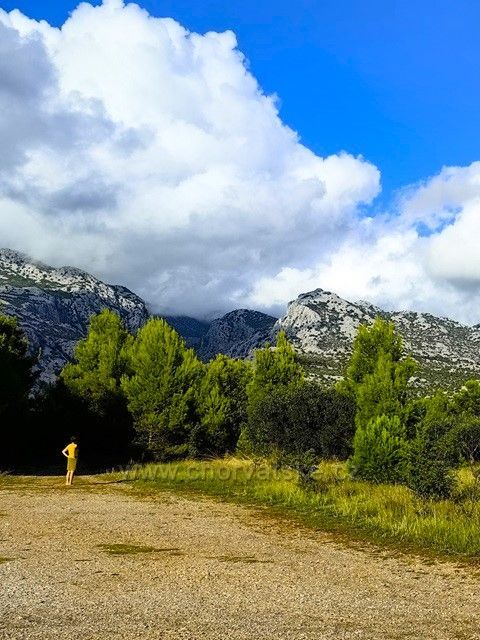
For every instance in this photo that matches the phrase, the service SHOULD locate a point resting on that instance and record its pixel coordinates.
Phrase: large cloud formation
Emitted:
(424, 255)
(150, 156)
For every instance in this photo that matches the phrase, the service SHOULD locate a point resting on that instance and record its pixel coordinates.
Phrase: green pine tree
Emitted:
(384, 391)
(377, 378)
(92, 390)
(369, 342)
(380, 451)
(15, 365)
(432, 451)
(221, 406)
(99, 360)
(16, 380)
(161, 389)
(272, 369)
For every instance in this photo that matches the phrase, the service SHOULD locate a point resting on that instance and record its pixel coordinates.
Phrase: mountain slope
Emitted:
(54, 306)
(236, 334)
(191, 329)
(321, 326)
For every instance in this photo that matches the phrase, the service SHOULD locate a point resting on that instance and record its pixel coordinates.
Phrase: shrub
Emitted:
(294, 420)
(464, 438)
(433, 451)
(274, 370)
(380, 451)
(16, 380)
(429, 474)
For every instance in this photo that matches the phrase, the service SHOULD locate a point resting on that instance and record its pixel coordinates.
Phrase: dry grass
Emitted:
(380, 513)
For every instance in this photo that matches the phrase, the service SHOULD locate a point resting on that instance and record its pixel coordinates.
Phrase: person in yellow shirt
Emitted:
(71, 453)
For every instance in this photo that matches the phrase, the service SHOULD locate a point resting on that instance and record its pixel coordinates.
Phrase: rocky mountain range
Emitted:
(236, 334)
(321, 326)
(54, 307)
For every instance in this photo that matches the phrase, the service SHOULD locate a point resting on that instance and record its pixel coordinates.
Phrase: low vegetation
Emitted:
(334, 502)
(121, 549)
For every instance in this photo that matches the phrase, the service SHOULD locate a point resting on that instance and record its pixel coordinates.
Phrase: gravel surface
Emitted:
(217, 571)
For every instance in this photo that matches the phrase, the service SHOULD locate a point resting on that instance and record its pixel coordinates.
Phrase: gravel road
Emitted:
(198, 569)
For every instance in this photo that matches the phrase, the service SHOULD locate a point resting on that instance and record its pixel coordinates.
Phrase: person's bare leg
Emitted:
(66, 478)
(71, 476)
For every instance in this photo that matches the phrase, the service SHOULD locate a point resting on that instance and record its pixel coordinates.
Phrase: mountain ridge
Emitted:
(322, 325)
(54, 305)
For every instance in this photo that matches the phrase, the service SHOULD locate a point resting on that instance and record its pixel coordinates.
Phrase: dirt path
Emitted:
(219, 571)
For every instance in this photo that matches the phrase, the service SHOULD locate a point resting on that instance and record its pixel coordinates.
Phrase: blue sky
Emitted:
(397, 81)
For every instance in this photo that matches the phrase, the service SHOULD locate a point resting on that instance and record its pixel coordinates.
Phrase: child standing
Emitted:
(71, 453)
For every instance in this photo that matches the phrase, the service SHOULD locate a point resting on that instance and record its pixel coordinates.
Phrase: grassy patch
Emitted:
(242, 559)
(389, 514)
(127, 549)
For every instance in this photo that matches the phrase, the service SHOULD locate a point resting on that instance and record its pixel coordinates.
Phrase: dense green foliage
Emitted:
(296, 420)
(221, 406)
(160, 387)
(380, 451)
(403, 439)
(15, 367)
(377, 377)
(273, 369)
(87, 400)
(16, 378)
(99, 360)
(368, 345)
(431, 453)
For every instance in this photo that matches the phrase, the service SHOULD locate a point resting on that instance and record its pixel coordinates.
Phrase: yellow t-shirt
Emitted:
(72, 450)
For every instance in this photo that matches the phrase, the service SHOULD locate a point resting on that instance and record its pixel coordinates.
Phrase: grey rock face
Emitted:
(321, 326)
(54, 306)
(236, 334)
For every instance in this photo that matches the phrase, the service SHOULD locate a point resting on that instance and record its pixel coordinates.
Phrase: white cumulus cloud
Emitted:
(151, 156)
(423, 255)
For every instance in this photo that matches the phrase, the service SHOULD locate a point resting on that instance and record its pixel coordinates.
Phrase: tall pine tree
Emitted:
(161, 389)
(377, 378)
(273, 369)
(16, 379)
(93, 391)
(99, 360)
(221, 406)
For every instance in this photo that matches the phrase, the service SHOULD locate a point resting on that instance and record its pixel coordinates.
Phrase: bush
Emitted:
(433, 451)
(429, 474)
(221, 404)
(295, 420)
(380, 451)
(464, 438)
(16, 379)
